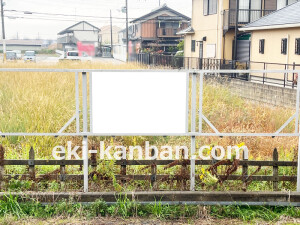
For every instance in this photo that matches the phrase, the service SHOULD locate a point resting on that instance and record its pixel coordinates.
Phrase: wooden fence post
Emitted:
(184, 171)
(94, 166)
(275, 170)
(94, 161)
(153, 171)
(2, 167)
(31, 169)
(123, 171)
(62, 168)
(245, 171)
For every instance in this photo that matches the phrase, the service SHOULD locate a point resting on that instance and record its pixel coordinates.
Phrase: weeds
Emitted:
(10, 205)
(125, 208)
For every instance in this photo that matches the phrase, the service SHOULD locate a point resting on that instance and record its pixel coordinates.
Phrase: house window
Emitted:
(284, 3)
(262, 46)
(284, 46)
(210, 7)
(297, 46)
(193, 46)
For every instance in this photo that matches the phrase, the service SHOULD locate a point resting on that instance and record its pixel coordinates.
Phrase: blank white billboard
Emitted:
(139, 102)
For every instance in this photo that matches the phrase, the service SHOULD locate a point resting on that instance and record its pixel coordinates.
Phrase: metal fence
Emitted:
(180, 62)
(195, 77)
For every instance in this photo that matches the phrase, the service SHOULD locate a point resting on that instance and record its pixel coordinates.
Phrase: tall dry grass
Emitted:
(44, 102)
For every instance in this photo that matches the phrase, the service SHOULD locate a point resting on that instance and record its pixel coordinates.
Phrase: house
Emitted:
(214, 23)
(119, 49)
(24, 45)
(156, 30)
(106, 34)
(83, 32)
(276, 39)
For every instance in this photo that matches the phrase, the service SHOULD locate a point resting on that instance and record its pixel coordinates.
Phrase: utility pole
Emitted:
(111, 32)
(127, 36)
(3, 33)
(159, 2)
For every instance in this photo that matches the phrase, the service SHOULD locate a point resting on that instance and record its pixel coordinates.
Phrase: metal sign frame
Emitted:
(87, 129)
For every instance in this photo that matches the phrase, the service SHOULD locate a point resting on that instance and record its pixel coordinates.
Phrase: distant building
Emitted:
(212, 32)
(157, 30)
(24, 45)
(83, 32)
(275, 38)
(106, 35)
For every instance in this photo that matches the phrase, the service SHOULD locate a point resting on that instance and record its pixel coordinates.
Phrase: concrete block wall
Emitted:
(263, 93)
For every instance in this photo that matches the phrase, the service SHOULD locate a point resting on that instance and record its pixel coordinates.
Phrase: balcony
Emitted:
(245, 16)
(167, 32)
(67, 40)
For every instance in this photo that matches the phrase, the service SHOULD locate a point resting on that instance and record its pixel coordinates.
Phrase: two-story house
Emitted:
(157, 30)
(275, 42)
(83, 32)
(215, 24)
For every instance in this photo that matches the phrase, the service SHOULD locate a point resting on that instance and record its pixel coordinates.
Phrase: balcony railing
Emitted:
(167, 32)
(245, 16)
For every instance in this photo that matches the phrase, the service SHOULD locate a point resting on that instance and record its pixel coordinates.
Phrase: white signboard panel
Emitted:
(139, 102)
(211, 51)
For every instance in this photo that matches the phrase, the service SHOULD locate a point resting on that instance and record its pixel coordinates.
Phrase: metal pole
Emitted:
(298, 167)
(200, 101)
(187, 102)
(297, 106)
(85, 138)
(111, 32)
(127, 37)
(193, 129)
(91, 101)
(77, 102)
(296, 131)
(3, 33)
(236, 29)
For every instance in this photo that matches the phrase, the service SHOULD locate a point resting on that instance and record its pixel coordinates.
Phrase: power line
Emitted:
(18, 16)
(56, 19)
(59, 14)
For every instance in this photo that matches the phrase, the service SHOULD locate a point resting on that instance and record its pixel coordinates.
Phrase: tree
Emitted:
(180, 45)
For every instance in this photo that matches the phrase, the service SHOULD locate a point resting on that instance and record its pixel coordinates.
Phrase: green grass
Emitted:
(125, 208)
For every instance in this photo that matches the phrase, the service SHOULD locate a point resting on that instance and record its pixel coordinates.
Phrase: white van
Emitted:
(29, 56)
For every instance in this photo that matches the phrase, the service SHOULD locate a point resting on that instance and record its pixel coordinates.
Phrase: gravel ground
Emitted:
(143, 221)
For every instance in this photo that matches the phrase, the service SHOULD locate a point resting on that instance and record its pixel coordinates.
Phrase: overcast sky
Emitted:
(46, 26)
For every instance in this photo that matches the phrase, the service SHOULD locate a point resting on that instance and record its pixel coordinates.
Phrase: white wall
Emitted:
(119, 52)
(86, 35)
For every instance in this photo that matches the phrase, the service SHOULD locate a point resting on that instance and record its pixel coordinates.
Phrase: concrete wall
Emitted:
(260, 93)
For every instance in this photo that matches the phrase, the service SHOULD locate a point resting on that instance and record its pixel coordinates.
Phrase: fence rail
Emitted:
(245, 16)
(231, 168)
(179, 62)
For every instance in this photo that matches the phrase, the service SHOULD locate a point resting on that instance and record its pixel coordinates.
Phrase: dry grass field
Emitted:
(44, 102)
